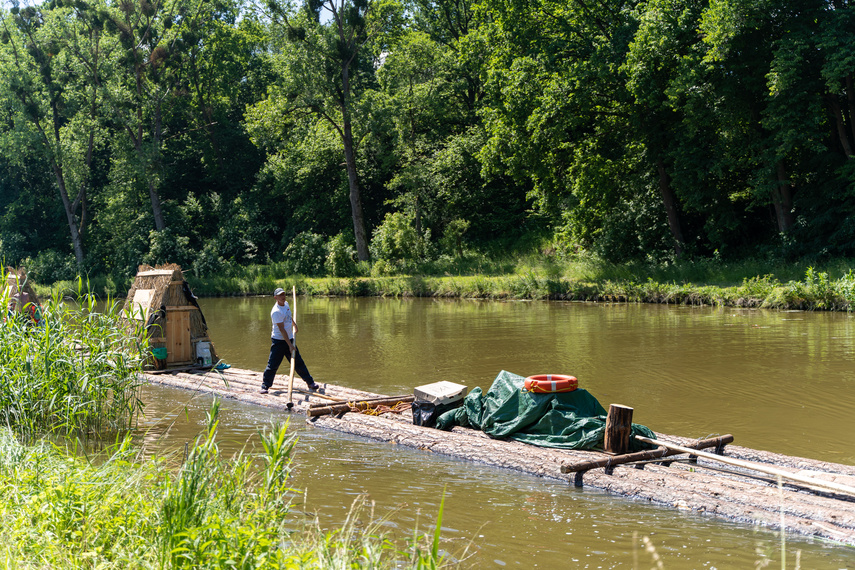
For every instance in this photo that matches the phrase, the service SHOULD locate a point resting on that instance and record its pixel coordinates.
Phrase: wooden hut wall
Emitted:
(165, 285)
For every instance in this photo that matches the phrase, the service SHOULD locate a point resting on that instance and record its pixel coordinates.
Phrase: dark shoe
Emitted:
(263, 390)
(314, 386)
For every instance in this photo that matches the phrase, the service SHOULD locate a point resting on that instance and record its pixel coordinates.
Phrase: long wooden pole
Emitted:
(321, 396)
(290, 403)
(364, 400)
(657, 453)
(753, 466)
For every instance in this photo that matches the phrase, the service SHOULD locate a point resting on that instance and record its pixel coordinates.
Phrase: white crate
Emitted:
(440, 392)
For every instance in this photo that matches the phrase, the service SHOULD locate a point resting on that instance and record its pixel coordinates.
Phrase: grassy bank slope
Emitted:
(745, 284)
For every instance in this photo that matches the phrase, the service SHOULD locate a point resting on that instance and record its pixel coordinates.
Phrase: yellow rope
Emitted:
(364, 408)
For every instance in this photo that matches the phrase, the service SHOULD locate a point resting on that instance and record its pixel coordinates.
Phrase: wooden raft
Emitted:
(694, 485)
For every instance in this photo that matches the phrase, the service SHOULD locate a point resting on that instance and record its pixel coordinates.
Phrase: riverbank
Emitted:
(205, 510)
(751, 283)
(71, 498)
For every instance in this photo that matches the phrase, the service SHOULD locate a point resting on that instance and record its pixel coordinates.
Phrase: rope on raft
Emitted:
(367, 409)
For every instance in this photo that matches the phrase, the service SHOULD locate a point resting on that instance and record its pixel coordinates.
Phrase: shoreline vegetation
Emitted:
(78, 488)
(749, 284)
(71, 499)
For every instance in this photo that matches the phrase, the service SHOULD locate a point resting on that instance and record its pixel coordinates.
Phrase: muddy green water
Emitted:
(780, 381)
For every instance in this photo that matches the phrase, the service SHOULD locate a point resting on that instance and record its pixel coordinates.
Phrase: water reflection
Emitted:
(764, 376)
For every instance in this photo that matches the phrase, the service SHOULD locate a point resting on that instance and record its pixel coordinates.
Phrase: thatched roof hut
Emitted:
(162, 299)
(18, 290)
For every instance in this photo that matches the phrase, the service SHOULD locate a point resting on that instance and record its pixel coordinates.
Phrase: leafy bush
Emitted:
(240, 232)
(395, 245)
(167, 247)
(50, 266)
(341, 258)
(208, 262)
(13, 247)
(452, 238)
(846, 286)
(306, 254)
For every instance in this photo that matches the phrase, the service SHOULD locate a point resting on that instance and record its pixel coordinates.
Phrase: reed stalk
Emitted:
(74, 372)
(120, 511)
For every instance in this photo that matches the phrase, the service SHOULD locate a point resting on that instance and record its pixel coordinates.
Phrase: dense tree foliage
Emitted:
(326, 132)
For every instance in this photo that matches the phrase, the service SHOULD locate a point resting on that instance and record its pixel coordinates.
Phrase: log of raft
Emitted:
(244, 385)
(781, 473)
(360, 405)
(689, 487)
(735, 494)
(658, 453)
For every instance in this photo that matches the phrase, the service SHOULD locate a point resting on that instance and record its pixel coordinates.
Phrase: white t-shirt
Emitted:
(281, 314)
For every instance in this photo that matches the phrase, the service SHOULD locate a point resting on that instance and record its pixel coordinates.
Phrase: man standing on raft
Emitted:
(282, 344)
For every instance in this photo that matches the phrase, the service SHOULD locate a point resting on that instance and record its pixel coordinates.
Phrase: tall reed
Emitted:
(74, 372)
(209, 512)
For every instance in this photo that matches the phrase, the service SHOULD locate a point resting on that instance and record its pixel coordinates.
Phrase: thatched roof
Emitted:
(19, 289)
(157, 292)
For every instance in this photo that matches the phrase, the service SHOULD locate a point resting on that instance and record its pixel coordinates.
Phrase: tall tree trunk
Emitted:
(57, 165)
(156, 210)
(782, 198)
(841, 126)
(355, 199)
(69, 215)
(670, 203)
(84, 185)
(350, 161)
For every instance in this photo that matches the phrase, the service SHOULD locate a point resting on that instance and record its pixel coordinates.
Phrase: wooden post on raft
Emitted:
(618, 428)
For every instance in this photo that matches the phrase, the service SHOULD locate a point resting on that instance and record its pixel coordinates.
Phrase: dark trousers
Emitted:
(278, 351)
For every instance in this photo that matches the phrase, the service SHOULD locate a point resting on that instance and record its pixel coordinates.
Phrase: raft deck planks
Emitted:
(705, 487)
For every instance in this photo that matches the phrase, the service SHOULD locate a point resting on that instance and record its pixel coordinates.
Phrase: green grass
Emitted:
(749, 283)
(62, 511)
(74, 377)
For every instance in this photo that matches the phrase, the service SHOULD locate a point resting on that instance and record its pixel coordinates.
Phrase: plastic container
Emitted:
(159, 354)
(203, 353)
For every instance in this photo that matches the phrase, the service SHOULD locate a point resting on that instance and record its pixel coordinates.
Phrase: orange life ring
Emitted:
(551, 383)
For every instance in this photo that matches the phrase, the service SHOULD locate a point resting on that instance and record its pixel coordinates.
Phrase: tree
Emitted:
(559, 115)
(326, 67)
(154, 37)
(52, 62)
(666, 35)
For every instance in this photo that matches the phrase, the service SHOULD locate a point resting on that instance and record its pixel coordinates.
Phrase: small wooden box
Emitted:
(440, 392)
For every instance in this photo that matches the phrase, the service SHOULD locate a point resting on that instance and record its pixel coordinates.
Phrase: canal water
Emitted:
(779, 381)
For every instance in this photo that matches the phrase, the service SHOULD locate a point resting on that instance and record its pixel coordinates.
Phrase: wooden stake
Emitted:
(290, 403)
(754, 466)
(618, 428)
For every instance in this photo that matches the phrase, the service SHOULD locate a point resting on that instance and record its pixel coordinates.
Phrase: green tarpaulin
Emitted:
(568, 420)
